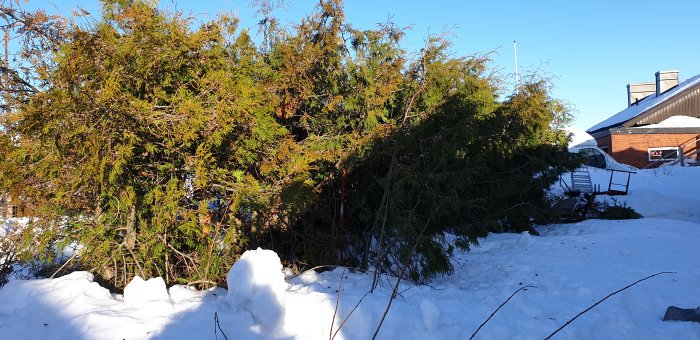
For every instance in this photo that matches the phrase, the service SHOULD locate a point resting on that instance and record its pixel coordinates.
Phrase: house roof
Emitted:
(643, 106)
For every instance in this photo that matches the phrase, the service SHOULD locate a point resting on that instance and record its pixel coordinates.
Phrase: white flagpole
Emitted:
(517, 77)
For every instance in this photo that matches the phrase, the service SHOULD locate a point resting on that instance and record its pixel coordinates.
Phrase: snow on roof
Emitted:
(676, 122)
(580, 138)
(644, 105)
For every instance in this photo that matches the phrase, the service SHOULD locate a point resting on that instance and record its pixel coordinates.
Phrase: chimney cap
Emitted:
(672, 73)
(666, 80)
(641, 84)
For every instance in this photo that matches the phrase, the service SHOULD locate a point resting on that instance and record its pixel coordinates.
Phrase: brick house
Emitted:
(10, 207)
(661, 123)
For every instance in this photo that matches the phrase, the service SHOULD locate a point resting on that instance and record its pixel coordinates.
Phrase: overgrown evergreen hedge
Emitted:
(167, 148)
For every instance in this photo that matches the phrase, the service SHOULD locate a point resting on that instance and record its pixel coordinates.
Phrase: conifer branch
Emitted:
(12, 73)
(401, 274)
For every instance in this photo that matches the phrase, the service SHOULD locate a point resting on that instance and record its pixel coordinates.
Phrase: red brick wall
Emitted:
(605, 143)
(632, 149)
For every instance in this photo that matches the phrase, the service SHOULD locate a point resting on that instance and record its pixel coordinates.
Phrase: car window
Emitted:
(593, 157)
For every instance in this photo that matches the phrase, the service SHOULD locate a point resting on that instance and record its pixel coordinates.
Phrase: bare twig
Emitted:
(497, 309)
(116, 271)
(337, 303)
(605, 298)
(383, 203)
(348, 316)
(63, 266)
(138, 265)
(322, 266)
(183, 255)
(403, 291)
(192, 283)
(387, 192)
(216, 325)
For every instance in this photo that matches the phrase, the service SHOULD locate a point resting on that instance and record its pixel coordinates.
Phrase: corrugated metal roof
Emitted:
(643, 106)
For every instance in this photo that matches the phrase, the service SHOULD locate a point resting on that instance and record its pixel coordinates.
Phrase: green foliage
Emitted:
(460, 162)
(9, 249)
(145, 124)
(167, 149)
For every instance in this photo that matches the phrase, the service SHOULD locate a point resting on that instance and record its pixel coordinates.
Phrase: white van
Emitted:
(618, 179)
(585, 144)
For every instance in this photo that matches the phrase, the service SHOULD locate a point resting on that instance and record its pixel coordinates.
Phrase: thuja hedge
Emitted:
(167, 147)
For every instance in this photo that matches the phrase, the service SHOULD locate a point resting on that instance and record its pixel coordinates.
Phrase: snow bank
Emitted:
(430, 313)
(256, 284)
(671, 196)
(580, 138)
(570, 266)
(652, 193)
(140, 292)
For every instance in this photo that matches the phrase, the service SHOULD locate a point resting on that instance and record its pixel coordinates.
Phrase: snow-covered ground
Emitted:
(569, 267)
(668, 193)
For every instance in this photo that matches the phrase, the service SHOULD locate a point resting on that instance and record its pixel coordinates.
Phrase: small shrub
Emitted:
(617, 211)
(8, 258)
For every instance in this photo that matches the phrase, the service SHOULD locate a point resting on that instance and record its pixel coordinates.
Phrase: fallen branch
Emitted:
(605, 298)
(497, 309)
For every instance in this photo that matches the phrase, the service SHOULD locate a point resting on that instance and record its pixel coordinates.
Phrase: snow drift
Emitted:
(256, 284)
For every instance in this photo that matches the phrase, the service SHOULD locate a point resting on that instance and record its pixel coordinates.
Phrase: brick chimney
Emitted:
(665, 80)
(639, 91)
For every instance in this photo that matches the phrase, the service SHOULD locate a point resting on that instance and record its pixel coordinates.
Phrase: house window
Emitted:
(663, 154)
(593, 157)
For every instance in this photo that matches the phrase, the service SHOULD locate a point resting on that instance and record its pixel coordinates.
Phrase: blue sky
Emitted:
(590, 49)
